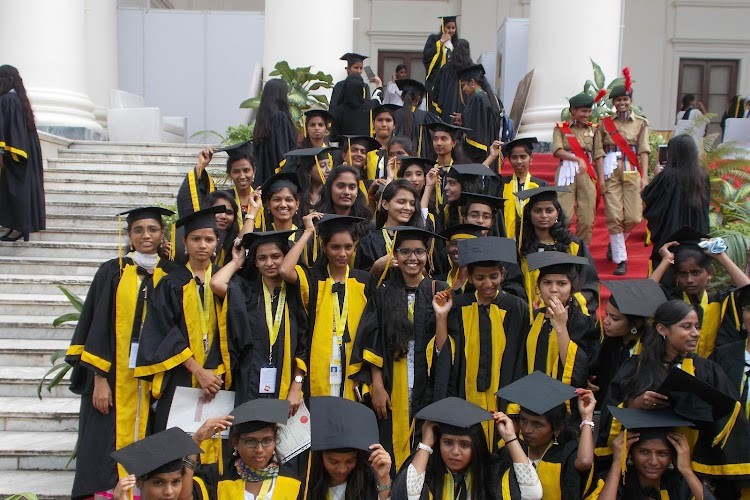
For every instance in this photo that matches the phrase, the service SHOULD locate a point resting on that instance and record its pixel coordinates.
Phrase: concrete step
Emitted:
(60, 249)
(101, 206)
(79, 234)
(46, 451)
(78, 220)
(125, 197)
(39, 415)
(144, 147)
(51, 265)
(22, 381)
(37, 327)
(90, 177)
(40, 283)
(28, 352)
(138, 156)
(32, 304)
(106, 186)
(47, 485)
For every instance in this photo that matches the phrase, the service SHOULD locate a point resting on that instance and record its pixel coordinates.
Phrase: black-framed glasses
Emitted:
(408, 252)
(253, 443)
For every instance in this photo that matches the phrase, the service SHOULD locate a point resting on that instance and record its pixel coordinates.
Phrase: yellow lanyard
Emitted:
(388, 243)
(274, 325)
(411, 299)
(340, 314)
(204, 306)
(264, 489)
(240, 218)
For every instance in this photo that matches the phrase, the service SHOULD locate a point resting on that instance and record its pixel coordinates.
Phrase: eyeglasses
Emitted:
(253, 443)
(140, 231)
(408, 252)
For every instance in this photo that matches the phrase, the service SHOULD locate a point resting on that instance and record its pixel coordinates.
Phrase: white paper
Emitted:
(294, 437)
(189, 410)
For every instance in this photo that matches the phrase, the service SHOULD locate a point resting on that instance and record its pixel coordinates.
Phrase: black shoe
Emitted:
(609, 252)
(622, 268)
(9, 236)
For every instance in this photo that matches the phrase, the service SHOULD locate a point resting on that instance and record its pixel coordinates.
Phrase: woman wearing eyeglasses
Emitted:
(391, 346)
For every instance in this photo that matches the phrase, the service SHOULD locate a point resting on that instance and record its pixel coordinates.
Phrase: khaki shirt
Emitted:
(634, 130)
(588, 135)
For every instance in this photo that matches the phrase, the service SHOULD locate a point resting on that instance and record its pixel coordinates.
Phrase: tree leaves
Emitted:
(598, 75)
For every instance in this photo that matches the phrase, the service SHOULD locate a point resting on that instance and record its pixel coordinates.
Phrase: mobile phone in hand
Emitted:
(369, 72)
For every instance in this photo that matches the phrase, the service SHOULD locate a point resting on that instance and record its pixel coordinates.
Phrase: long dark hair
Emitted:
(562, 235)
(390, 191)
(485, 86)
(358, 483)
(234, 229)
(10, 79)
(273, 99)
(406, 117)
(651, 371)
(359, 208)
(461, 56)
(482, 462)
(684, 171)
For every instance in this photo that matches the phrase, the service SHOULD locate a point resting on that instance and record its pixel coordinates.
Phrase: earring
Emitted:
(670, 466)
(186, 252)
(633, 331)
(555, 441)
(629, 461)
(234, 453)
(214, 254)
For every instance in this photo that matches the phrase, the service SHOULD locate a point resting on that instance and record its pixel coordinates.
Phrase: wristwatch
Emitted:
(299, 379)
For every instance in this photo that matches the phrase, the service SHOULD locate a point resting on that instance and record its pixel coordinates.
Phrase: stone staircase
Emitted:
(86, 184)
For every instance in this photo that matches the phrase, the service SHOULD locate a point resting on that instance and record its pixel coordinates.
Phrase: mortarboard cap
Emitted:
(493, 202)
(686, 236)
(384, 108)
(540, 260)
(463, 232)
(252, 240)
(470, 169)
(742, 296)
(455, 412)
(542, 193)
(537, 392)
(473, 72)
(527, 142)
(405, 162)
(235, 151)
(202, 219)
(310, 152)
(140, 213)
(279, 181)
(331, 223)
(487, 249)
(694, 399)
(259, 413)
(640, 297)
(337, 423)
(633, 418)
(441, 126)
(582, 100)
(449, 19)
(405, 83)
(406, 233)
(158, 453)
(352, 58)
(310, 113)
(370, 143)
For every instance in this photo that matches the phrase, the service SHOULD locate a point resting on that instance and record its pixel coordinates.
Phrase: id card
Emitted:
(267, 383)
(133, 354)
(335, 376)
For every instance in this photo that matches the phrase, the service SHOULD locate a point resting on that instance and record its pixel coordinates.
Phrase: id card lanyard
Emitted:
(340, 315)
(204, 306)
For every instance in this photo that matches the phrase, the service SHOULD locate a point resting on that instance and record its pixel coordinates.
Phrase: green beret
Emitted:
(619, 91)
(582, 100)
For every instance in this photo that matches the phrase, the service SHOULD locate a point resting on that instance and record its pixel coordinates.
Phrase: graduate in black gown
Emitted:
(227, 224)
(21, 183)
(352, 113)
(482, 333)
(382, 125)
(346, 460)
(452, 460)
(480, 114)
(184, 325)
(446, 98)
(520, 155)
(394, 343)
(438, 48)
(457, 277)
(274, 134)
(114, 404)
(316, 125)
(354, 67)
(409, 118)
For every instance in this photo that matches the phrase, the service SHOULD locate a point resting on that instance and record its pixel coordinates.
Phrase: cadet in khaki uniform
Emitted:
(621, 181)
(577, 168)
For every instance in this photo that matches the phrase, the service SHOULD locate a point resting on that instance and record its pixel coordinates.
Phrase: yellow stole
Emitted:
(193, 185)
(285, 488)
(712, 313)
(553, 352)
(513, 208)
(449, 486)
(549, 475)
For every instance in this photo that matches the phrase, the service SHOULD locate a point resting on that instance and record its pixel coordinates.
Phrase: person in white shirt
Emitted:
(392, 92)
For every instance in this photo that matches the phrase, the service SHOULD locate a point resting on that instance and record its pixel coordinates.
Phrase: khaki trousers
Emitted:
(581, 201)
(623, 208)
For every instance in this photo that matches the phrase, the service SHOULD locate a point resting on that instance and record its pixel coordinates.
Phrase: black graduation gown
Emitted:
(731, 358)
(557, 471)
(248, 339)
(662, 220)
(172, 334)
(447, 97)
(420, 137)
(432, 57)
(371, 349)
(732, 462)
(502, 482)
(479, 117)
(502, 338)
(610, 356)
(584, 337)
(269, 153)
(209, 484)
(732, 329)
(100, 347)
(369, 249)
(337, 95)
(22, 180)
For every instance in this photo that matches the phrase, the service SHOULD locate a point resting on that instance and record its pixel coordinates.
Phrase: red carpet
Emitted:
(544, 166)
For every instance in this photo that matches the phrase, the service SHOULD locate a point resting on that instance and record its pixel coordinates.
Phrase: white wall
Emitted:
(190, 63)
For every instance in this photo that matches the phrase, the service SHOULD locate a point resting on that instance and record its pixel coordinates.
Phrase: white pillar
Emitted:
(563, 37)
(306, 33)
(101, 54)
(45, 40)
